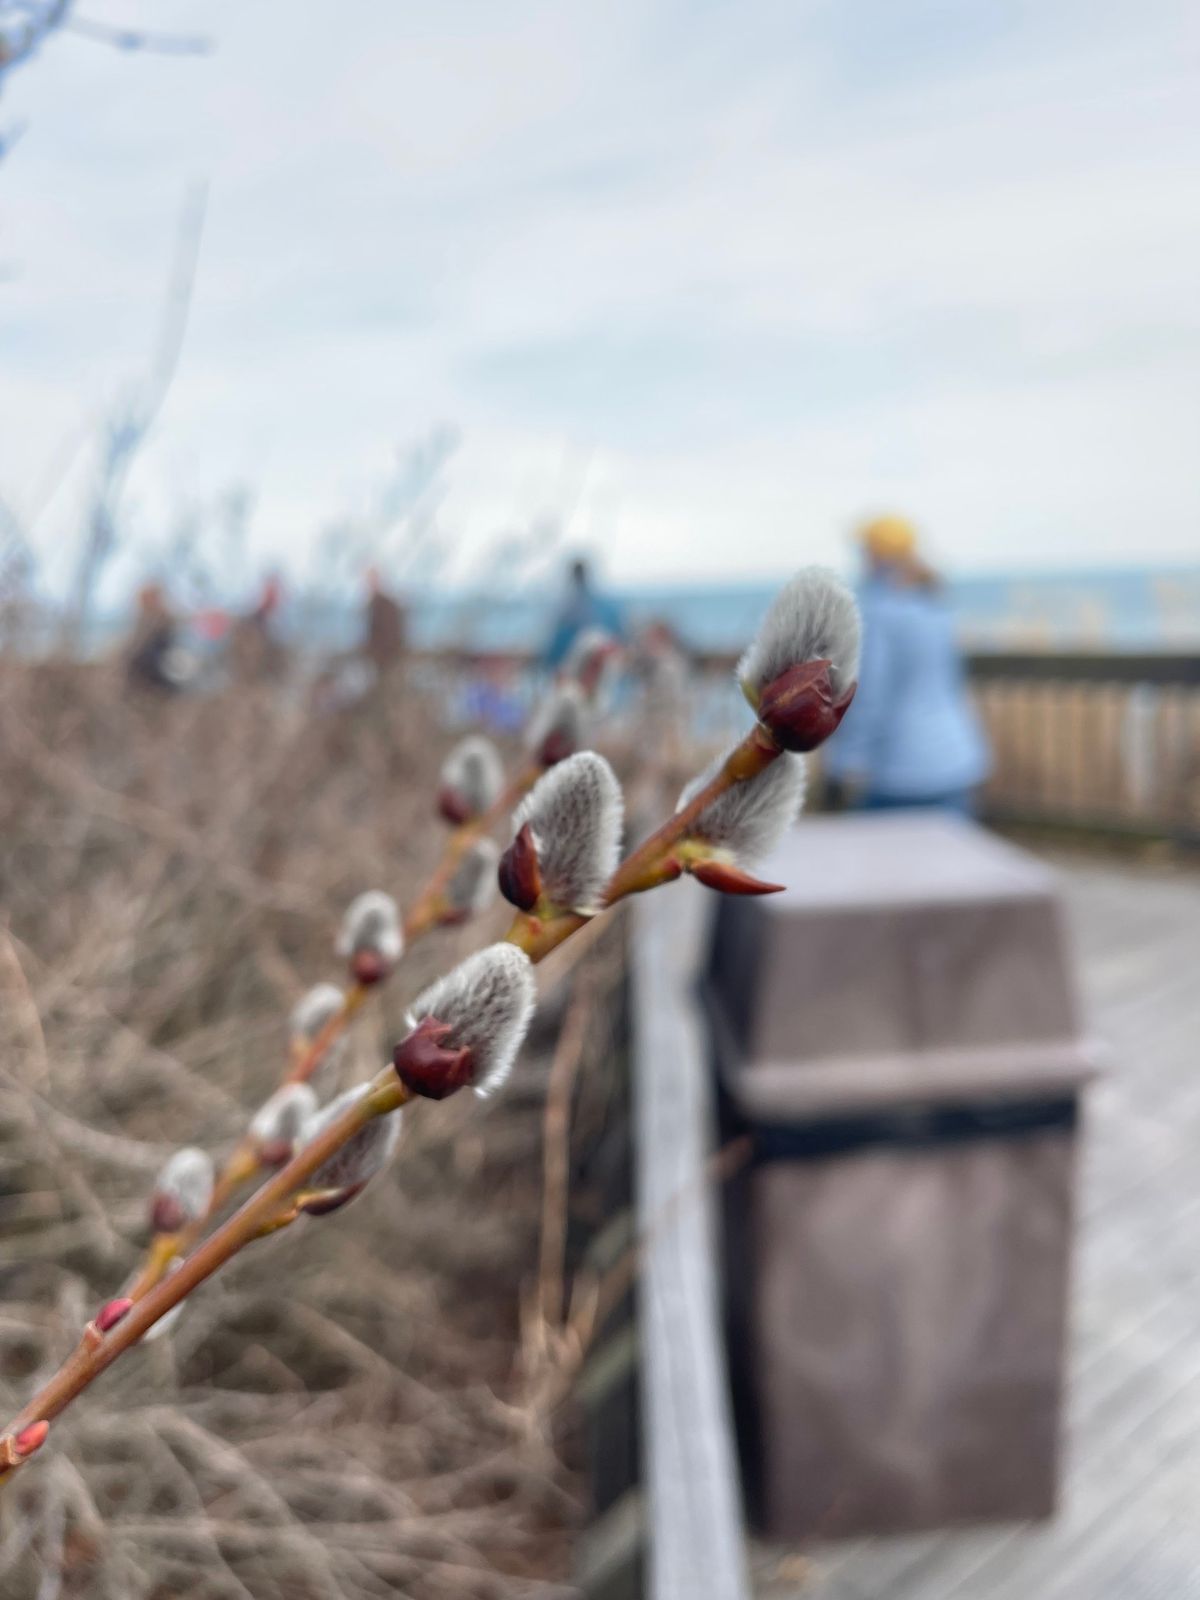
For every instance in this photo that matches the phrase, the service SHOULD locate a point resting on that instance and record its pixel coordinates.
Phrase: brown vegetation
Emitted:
(366, 1418)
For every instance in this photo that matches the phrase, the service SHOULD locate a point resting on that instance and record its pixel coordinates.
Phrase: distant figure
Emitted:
(911, 738)
(582, 608)
(661, 663)
(385, 633)
(151, 655)
(255, 651)
(491, 700)
(268, 602)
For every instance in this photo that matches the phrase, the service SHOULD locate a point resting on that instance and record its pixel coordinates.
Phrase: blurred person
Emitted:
(661, 662)
(492, 700)
(269, 600)
(152, 655)
(911, 737)
(582, 608)
(662, 665)
(385, 627)
(254, 647)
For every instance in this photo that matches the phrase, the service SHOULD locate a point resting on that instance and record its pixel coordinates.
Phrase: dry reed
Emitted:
(356, 1423)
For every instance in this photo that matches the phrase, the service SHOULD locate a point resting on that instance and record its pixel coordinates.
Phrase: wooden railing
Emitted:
(1092, 742)
(690, 1479)
(1107, 743)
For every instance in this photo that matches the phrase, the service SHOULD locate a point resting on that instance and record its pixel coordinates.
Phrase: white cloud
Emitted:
(724, 276)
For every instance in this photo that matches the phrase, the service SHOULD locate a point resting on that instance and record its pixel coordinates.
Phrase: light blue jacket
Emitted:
(911, 732)
(583, 609)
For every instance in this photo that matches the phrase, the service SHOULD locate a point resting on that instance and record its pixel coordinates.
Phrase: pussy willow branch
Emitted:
(243, 1164)
(95, 1352)
(429, 906)
(650, 864)
(242, 1167)
(643, 869)
(423, 917)
(424, 914)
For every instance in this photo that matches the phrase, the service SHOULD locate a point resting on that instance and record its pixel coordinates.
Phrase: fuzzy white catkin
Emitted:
(283, 1117)
(309, 1016)
(575, 812)
(363, 1154)
(562, 713)
(750, 818)
(815, 617)
(592, 663)
(372, 922)
(666, 684)
(314, 1009)
(486, 1002)
(473, 886)
(586, 644)
(474, 771)
(187, 1178)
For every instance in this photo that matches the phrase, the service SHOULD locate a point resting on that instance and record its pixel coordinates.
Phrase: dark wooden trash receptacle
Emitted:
(898, 1031)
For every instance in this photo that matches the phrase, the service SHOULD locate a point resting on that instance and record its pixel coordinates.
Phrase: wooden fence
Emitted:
(1095, 743)
(1107, 743)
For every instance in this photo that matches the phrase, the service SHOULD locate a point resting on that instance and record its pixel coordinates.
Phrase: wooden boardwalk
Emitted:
(1129, 1524)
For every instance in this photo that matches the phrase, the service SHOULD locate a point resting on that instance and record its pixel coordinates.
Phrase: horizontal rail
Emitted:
(1162, 669)
(697, 1543)
(1094, 742)
(1095, 755)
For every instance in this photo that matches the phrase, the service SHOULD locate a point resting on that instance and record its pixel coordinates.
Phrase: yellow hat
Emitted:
(889, 538)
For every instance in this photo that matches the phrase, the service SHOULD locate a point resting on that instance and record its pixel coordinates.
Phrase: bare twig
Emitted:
(126, 430)
(556, 1153)
(168, 44)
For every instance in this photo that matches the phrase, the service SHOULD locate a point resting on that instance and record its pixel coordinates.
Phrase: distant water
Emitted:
(1102, 609)
(1106, 609)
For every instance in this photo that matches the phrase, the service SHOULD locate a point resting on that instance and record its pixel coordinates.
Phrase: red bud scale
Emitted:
(425, 1066)
(30, 1438)
(731, 879)
(520, 872)
(798, 707)
(110, 1314)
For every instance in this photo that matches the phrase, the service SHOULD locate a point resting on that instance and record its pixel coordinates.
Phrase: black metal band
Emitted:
(918, 1128)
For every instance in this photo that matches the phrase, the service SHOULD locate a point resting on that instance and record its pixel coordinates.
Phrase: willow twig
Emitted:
(97, 1350)
(652, 863)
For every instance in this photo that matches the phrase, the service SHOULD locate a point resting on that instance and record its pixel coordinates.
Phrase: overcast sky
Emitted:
(715, 278)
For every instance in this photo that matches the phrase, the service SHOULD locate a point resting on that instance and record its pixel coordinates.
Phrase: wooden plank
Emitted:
(1048, 666)
(697, 1545)
(1180, 667)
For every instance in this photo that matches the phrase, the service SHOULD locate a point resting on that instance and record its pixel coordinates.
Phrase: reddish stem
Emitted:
(651, 863)
(648, 865)
(88, 1361)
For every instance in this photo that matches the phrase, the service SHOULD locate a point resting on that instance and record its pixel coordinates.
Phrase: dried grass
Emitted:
(344, 1414)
